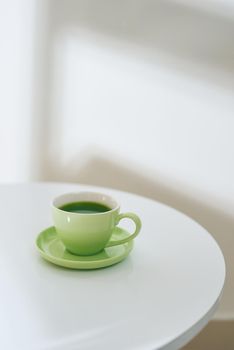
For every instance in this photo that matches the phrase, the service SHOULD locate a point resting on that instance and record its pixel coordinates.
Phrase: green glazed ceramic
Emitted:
(52, 249)
(88, 234)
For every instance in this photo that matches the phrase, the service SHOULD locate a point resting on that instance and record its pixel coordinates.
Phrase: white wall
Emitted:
(170, 113)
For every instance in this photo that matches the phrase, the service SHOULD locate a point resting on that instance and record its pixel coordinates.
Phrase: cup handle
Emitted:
(137, 222)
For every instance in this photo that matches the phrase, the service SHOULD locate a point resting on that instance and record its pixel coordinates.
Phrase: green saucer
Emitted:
(52, 249)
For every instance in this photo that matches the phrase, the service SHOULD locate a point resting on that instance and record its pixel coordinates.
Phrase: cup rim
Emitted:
(66, 194)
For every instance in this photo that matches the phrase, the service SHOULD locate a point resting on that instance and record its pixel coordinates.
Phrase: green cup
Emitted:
(89, 233)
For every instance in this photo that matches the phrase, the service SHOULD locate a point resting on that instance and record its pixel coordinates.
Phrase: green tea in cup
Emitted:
(85, 207)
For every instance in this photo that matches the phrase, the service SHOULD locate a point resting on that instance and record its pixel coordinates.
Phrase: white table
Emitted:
(160, 297)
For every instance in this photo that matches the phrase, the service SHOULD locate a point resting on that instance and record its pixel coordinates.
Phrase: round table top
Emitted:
(160, 297)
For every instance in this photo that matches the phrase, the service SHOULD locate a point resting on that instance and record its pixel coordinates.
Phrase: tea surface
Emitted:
(85, 207)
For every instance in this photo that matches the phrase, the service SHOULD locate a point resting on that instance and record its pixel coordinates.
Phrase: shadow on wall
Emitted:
(185, 35)
(119, 174)
(192, 41)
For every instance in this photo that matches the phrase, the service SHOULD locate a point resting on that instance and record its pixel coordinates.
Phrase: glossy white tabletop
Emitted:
(160, 297)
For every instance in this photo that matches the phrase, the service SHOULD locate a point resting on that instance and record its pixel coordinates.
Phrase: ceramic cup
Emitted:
(88, 234)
